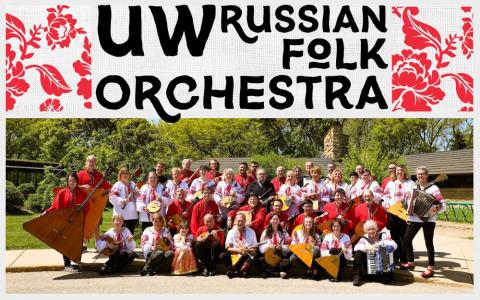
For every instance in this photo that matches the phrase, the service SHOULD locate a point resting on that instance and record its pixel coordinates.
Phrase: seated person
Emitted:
(371, 242)
(184, 261)
(209, 242)
(241, 246)
(307, 235)
(336, 242)
(120, 241)
(157, 247)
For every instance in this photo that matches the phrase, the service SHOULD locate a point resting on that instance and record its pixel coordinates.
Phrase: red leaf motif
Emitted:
(51, 79)
(15, 22)
(10, 102)
(51, 105)
(81, 68)
(87, 105)
(464, 86)
(419, 35)
(84, 88)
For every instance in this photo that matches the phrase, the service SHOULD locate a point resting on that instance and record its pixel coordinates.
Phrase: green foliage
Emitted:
(26, 189)
(271, 161)
(372, 157)
(37, 202)
(13, 198)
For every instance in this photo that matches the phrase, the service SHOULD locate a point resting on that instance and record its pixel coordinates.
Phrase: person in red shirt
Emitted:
(391, 174)
(69, 196)
(214, 173)
(242, 177)
(277, 209)
(369, 210)
(187, 174)
(280, 179)
(208, 249)
(257, 212)
(205, 206)
(253, 170)
(89, 177)
(338, 210)
(178, 209)
(307, 206)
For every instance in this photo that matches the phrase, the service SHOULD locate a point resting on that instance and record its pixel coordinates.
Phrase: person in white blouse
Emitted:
(335, 243)
(336, 182)
(398, 190)
(175, 183)
(150, 192)
(371, 241)
(307, 235)
(122, 196)
(291, 191)
(276, 239)
(120, 241)
(427, 223)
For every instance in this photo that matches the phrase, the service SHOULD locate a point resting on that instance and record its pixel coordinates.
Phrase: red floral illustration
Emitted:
(83, 68)
(416, 83)
(15, 84)
(60, 31)
(61, 28)
(51, 105)
(413, 81)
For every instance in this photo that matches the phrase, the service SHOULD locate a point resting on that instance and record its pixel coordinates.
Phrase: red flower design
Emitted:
(51, 105)
(414, 86)
(61, 28)
(467, 44)
(14, 82)
(85, 88)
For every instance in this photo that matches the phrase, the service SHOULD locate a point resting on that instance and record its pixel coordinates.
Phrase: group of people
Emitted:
(196, 218)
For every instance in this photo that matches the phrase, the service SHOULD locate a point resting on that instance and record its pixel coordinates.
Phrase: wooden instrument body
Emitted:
(162, 245)
(287, 202)
(228, 201)
(359, 232)
(62, 230)
(331, 264)
(304, 252)
(176, 219)
(248, 216)
(398, 210)
(272, 258)
(96, 205)
(154, 206)
(107, 251)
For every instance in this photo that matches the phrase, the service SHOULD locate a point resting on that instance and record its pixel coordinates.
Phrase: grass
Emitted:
(17, 238)
(451, 216)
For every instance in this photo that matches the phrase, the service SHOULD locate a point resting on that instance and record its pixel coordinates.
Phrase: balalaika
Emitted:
(380, 261)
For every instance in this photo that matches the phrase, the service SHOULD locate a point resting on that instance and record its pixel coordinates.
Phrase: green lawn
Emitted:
(17, 238)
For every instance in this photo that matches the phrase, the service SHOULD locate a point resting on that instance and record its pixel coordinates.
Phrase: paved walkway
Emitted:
(454, 260)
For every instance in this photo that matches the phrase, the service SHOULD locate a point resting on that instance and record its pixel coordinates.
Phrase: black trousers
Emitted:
(411, 232)
(360, 268)
(283, 266)
(120, 259)
(131, 224)
(159, 261)
(207, 253)
(397, 231)
(244, 260)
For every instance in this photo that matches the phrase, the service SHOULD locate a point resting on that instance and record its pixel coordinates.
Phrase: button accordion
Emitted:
(380, 261)
(420, 204)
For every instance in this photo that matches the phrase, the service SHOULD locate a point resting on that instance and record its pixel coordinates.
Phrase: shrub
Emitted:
(13, 198)
(26, 189)
(270, 162)
(37, 202)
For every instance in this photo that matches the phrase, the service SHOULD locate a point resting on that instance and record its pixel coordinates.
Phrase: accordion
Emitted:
(420, 204)
(380, 261)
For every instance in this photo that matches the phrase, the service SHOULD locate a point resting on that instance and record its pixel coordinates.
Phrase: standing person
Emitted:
(210, 241)
(242, 177)
(414, 223)
(178, 210)
(330, 168)
(280, 179)
(359, 169)
(316, 190)
(69, 196)
(186, 174)
(307, 235)
(292, 192)
(231, 189)
(214, 173)
(199, 183)
(353, 183)
(256, 212)
(336, 182)
(184, 261)
(175, 183)
(150, 192)
(157, 247)
(336, 242)
(241, 243)
(308, 171)
(122, 196)
(398, 190)
(391, 175)
(263, 188)
(367, 183)
(298, 175)
(203, 207)
(275, 238)
(254, 165)
(371, 241)
(337, 210)
(160, 170)
(120, 240)
(277, 209)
